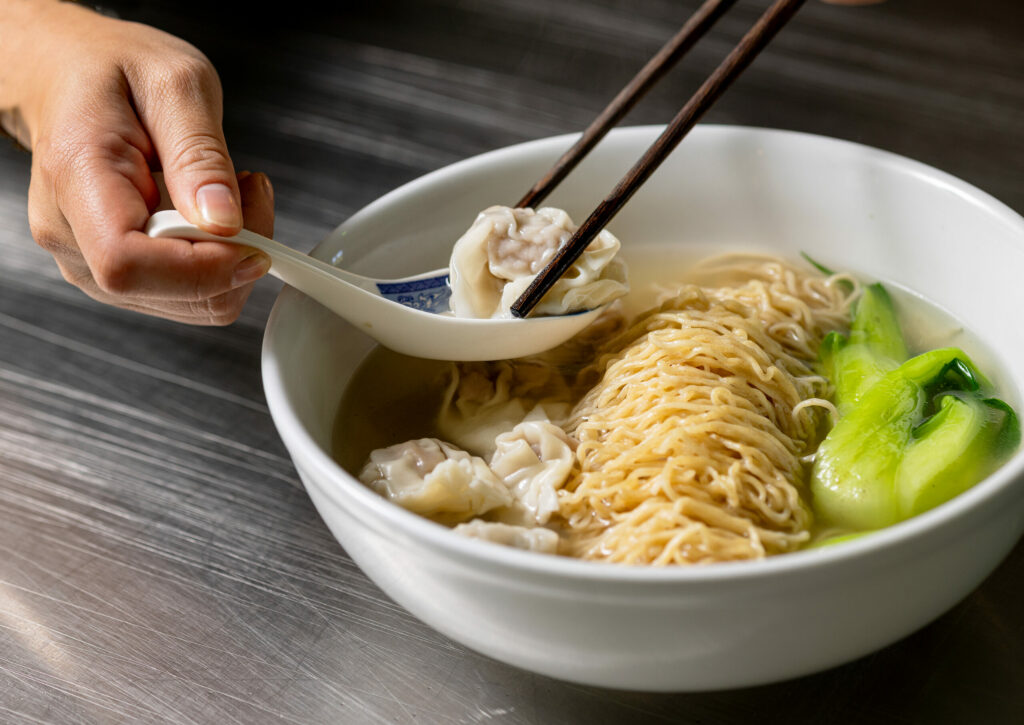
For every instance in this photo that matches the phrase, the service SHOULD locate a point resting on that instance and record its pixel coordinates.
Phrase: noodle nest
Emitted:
(692, 435)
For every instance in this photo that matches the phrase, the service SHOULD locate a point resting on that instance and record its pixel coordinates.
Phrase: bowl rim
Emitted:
(345, 489)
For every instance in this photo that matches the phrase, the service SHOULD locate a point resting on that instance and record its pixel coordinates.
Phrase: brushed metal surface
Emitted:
(158, 561)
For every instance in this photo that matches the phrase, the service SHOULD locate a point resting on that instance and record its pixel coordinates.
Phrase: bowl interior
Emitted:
(848, 206)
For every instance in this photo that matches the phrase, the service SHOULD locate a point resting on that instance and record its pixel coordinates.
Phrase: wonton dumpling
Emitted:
(534, 460)
(539, 539)
(495, 261)
(434, 479)
(485, 399)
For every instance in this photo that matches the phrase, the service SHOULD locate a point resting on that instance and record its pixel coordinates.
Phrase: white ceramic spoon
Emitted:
(405, 314)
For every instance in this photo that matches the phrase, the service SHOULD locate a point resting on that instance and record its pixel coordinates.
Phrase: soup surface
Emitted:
(729, 513)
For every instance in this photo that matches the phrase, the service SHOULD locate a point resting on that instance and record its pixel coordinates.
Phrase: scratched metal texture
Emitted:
(159, 562)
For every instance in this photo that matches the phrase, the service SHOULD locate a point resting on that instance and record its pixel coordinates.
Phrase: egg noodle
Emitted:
(690, 442)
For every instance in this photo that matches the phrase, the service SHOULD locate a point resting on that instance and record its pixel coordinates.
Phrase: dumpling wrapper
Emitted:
(434, 479)
(534, 460)
(483, 400)
(539, 539)
(494, 262)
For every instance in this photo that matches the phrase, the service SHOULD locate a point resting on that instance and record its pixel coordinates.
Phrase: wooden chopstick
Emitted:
(662, 62)
(773, 19)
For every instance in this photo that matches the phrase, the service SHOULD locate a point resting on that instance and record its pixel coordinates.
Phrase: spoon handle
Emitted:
(287, 264)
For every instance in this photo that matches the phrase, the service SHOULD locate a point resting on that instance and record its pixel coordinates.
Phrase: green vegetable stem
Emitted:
(874, 347)
(912, 437)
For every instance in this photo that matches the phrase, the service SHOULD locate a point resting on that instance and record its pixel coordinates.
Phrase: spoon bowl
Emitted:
(408, 315)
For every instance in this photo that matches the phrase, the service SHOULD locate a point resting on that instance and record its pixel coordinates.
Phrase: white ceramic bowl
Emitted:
(680, 628)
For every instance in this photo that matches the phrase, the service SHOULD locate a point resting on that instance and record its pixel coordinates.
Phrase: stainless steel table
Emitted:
(159, 561)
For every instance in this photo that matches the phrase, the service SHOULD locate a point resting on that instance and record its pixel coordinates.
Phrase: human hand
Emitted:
(101, 103)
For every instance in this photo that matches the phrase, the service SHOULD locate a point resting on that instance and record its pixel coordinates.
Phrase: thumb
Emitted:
(182, 108)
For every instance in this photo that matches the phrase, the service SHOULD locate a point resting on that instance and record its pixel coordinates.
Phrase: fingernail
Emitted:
(217, 206)
(250, 269)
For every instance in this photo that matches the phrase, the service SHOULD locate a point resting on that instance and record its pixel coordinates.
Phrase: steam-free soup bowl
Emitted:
(696, 628)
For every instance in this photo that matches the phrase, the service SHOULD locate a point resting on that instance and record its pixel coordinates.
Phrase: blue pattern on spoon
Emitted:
(430, 295)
